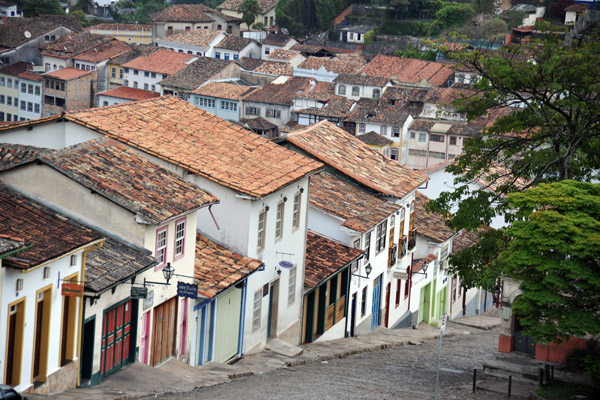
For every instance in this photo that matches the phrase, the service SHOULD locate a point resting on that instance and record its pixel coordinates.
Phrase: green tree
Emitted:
(555, 252)
(249, 10)
(412, 52)
(80, 15)
(454, 14)
(547, 96)
(370, 37)
(33, 8)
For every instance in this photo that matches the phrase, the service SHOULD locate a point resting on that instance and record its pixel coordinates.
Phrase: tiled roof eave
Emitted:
(253, 193)
(356, 177)
(335, 273)
(435, 240)
(118, 282)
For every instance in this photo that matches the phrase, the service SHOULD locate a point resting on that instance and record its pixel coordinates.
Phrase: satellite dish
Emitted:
(27, 34)
(286, 264)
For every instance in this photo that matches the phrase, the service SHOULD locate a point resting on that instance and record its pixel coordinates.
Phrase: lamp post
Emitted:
(368, 270)
(168, 272)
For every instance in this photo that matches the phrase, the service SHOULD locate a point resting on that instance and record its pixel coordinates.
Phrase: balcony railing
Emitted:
(412, 239)
(403, 246)
(392, 256)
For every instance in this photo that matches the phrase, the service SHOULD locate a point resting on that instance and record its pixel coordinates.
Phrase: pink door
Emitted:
(145, 337)
(183, 327)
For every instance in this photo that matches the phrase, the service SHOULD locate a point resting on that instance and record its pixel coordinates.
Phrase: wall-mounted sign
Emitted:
(149, 300)
(139, 292)
(400, 275)
(187, 290)
(72, 290)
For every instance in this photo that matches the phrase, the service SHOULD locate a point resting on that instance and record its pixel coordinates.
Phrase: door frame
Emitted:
(273, 308)
(87, 349)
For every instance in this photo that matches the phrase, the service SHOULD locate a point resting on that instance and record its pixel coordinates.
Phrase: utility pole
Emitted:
(437, 377)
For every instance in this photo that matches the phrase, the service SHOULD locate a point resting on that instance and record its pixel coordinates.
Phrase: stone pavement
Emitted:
(138, 380)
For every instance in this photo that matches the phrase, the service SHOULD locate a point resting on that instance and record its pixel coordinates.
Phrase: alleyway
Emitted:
(405, 372)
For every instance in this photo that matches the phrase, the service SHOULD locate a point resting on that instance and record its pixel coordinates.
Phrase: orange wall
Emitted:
(553, 352)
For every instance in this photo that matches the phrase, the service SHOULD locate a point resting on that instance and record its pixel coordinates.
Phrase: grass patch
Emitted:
(566, 391)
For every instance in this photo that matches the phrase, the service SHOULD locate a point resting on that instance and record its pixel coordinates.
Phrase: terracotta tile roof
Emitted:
(67, 74)
(579, 8)
(104, 51)
(374, 138)
(381, 113)
(113, 263)
(258, 123)
(235, 43)
(361, 79)
(321, 91)
(123, 27)
(189, 13)
(12, 30)
(408, 69)
(406, 97)
(344, 152)
(464, 240)
(431, 225)
(277, 39)
(361, 108)
(119, 174)
(325, 257)
(51, 234)
(12, 155)
(436, 167)
(162, 61)
(422, 125)
(21, 70)
(283, 54)
(136, 50)
(360, 209)
(275, 68)
(250, 64)
(338, 107)
(334, 65)
(124, 92)
(498, 176)
(218, 268)
(309, 48)
(9, 244)
(73, 44)
(195, 74)
(199, 37)
(65, 20)
(354, 58)
(280, 91)
(418, 264)
(183, 134)
(223, 90)
(265, 5)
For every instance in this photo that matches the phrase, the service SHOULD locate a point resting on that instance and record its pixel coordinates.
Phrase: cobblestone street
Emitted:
(405, 372)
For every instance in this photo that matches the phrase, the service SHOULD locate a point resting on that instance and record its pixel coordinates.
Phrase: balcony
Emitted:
(403, 246)
(412, 239)
(393, 253)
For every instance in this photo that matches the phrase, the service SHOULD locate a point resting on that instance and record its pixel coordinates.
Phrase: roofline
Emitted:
(93, 243)
(119, 282)
(14, 251)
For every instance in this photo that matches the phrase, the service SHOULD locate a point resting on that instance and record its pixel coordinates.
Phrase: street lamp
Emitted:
(368, 270)
(423, 270)
(168, 272)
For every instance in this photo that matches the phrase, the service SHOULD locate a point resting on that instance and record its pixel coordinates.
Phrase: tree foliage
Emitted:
(546, 96)
(80, 15)
(555, 252)
(249, 10)
(143, 9)
(300, 17)
(33, 8)
(412, 52)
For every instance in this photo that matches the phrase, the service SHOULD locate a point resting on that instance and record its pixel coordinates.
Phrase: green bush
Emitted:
(370, 37)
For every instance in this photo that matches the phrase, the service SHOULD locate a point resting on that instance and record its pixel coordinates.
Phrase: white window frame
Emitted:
(180, 227)
(161, 247)
(262, 229)
(296, 211)
(256, 310)
(292, 286)
(279, 220)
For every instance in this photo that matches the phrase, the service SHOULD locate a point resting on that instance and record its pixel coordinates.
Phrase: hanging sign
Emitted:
(72, 290)
(139, 292)
(187, 290)
(400, 275)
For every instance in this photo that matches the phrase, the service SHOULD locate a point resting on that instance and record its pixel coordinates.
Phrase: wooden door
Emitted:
(227, 329)
(273, 308)
(10, 355)
(387, 304)
(145, 340)
(376, 302)
(164, 331)
(352, 314)
(116, 338)
(37, 350)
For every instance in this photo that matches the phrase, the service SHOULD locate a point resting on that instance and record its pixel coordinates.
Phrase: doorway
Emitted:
(164, 331)
(273, 308)
(87, 349)
(376, 302)
(523, 343)
(352, 315)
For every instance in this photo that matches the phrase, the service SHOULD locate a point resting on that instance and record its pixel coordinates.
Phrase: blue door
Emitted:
(376, 302)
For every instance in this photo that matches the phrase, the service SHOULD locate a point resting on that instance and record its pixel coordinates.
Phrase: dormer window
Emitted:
(376, 93)
(342, 90)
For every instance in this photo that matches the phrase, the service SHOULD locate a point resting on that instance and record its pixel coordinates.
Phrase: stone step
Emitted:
(518, 389)
(522, 369)
(284, 348)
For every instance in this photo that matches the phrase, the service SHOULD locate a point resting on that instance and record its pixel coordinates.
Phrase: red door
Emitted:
(116, 334)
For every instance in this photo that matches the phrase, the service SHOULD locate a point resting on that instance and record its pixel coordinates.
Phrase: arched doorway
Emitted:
(523, 343)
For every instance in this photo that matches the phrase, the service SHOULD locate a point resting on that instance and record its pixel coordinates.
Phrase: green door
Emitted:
(229, 306)
(425, 304)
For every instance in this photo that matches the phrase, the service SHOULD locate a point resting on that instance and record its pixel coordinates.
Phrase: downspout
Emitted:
(213, 217)
(96, 246)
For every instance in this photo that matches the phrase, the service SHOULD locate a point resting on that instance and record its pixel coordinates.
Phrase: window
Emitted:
(23, 88)
(52, 37)
(380, 236)
(104, 103)
(135, 72)
(273, 113)
(37, 90)
(121, 73)
(398, 291)
(376, 93)
(217, 54)
(228, 105)
(161, 246)
(135, 84)
(179, 238)
(9, 82)
(361, 128)
(113, 72)
(296, 212)
(153, 75)
(453, 140)
(78, 66)
(146, 74)
(29, 89)
(47, 67)
(2, 81)
(236, 57)
(204, 102)
(8, 100)
(407, 283)
(256, 310)
(267, 50)
(383, 130)
(367, 246)
(2, 99)
(394, 153)
(262, 222)
(342, 90)
(292, 286)
(436, 138)
(422, 137)
(363, 302)
(252, 111)
(36, 108)
(226, 56)
(145, 86)
(47, 38)
(29, 106)
(279, 221)
(1, 116)
(395, 131)
(125, 82)
(355, 91)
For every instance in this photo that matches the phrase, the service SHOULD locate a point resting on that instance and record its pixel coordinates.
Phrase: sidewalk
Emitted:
(138, 380)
